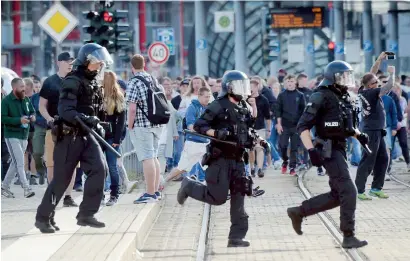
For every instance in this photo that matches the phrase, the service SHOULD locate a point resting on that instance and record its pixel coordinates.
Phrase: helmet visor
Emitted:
(100, 55)
(345, 79)
(241, 87)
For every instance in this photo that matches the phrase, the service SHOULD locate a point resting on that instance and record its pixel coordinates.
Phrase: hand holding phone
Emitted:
(390, 56)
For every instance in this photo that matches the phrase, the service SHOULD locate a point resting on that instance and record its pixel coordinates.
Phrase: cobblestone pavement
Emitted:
(270, 230)
(384, 223)
(175, 234)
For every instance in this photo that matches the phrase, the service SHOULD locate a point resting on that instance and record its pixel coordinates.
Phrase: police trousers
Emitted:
(218, 176)
(292, 134)
(67, 153)
(377, 162)
(342, 192)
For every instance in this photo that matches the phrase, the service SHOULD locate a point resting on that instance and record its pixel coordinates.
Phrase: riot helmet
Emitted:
(235, 84)
(338, 74)
(92, 53)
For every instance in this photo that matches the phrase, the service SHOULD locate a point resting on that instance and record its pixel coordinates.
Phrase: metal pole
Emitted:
(309, 46)
(367, 36)
(377, 22)
(38, 51)
(240, 43)
(393, 34)
(339, 30)
(201, 50)
(276, 62)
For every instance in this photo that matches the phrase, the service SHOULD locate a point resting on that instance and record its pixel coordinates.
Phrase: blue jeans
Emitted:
(113, 170)
(356, 151)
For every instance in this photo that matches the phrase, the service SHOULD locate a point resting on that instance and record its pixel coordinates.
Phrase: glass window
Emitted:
(26, 10)
(5, 11)
(161, 12)
(188, 13)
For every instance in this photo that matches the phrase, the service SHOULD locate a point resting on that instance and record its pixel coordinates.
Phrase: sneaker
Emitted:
(378, 193)
(320, 172)
(253, 172)
(292, 172)
(146, 198)
(7, 193)
(363, 196)
(260, 173)
(159, 195)
(69, 202)
(112, 201)
(277, 164)
(28, 193)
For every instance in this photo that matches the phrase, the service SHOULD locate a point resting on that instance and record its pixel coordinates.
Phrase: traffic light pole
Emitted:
(339, 30)
(241, 58)
(275, 64)
(367, 36)
(201, 54)
(309, 46)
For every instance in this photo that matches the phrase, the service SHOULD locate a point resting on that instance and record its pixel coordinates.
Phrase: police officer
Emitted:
(228, 119)
(81, 97)
(331, 112)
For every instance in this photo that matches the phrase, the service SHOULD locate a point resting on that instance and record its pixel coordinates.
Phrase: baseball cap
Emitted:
(185, 81)
(65, 56)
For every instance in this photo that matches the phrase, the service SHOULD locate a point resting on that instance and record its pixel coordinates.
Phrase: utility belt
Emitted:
(325, 147)
(213, 153)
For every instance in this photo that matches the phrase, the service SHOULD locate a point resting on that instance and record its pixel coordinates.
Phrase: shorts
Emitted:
(388, 138)
(145, 142)
(191, 155)
(49, 150)
(262, 134)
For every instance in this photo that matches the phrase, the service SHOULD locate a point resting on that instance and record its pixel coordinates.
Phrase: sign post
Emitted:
(158, 53)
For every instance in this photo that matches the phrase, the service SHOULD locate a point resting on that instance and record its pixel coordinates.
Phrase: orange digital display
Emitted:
(297, 18)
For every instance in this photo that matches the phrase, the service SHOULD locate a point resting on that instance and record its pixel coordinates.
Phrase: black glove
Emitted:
(384, 133)
(91, 121)
(221, 134)
(363, 138)
(315, 158)
(265, 145)
(100, 130)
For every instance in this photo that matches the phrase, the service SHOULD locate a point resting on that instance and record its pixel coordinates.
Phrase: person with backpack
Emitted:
(148, 111)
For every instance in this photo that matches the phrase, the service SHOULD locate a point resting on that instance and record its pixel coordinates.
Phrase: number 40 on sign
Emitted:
(158, 53)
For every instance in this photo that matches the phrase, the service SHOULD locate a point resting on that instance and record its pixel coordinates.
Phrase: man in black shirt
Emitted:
(374, 123)
(291, 104)
(49, 96)
(263, 130)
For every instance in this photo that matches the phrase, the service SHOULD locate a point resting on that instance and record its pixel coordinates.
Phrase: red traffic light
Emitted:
(331, 45)
(107, 17)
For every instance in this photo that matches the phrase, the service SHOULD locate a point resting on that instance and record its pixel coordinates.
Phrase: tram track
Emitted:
(330, 224)
(395, 179)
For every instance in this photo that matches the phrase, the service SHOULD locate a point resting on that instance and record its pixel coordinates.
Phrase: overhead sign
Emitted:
(201, 44)
(295, 18)
(158, 53)
(296, 50)
(224, 21)
(58, 22)
(167, 36)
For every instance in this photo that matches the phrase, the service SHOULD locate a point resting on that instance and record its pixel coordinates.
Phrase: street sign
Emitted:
(201, 44)
(158, 53)
(310, 48)
(224, 21)
(367, 46)
(167, 36)
(58, 22)
(352, 47)
(340, 48)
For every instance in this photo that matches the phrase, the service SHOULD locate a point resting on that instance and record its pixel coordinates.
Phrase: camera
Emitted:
(390, 56)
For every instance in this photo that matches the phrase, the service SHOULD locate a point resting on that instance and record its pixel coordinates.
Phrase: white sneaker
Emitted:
(28, 193)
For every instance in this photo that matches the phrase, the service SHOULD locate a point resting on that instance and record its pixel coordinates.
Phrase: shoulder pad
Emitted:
(212, 110)
(315, 102)
(70, 87)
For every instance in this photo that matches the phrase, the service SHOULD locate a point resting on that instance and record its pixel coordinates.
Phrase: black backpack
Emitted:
(158, 110)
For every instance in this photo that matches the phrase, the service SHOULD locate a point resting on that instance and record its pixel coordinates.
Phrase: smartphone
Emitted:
(390, 56)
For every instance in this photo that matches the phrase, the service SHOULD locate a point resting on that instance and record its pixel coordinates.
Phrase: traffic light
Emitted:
(331, 51)
(106, 29)
(270, 47)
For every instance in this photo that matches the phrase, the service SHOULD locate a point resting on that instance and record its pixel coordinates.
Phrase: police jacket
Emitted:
(223, 114)
(331, 112)
(79, 94)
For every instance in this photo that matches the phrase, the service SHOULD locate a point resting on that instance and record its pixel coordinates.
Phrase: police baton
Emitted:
(98, 137)
(209, 137)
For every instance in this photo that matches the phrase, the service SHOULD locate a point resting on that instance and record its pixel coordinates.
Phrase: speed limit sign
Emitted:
(158, 53)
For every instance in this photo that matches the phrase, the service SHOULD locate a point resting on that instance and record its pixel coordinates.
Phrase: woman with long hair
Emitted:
(114, 108)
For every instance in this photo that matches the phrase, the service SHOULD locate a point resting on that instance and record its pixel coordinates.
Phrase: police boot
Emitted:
(44, 227)
(350, 241)
(182, 192)
(238, 243)
(295, 214)
(89, 221)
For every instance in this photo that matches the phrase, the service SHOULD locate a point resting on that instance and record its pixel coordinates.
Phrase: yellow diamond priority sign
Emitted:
(58, 22)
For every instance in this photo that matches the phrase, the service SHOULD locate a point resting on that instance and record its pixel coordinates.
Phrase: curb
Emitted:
(133, 239)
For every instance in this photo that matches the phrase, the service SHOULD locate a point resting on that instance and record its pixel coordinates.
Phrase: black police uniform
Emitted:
(330, 110)
(226, 167)
(80, 96)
